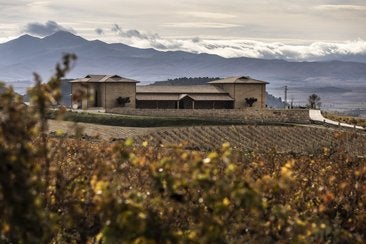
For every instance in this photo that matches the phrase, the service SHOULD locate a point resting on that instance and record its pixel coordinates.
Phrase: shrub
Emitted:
(56, 189)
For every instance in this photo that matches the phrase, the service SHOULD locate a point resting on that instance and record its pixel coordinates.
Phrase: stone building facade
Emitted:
(243, 88)
(183, 97)
(103, 91)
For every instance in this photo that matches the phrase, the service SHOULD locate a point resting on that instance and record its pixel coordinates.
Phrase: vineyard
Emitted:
(69, 189)
(95, 131)
(297, 139)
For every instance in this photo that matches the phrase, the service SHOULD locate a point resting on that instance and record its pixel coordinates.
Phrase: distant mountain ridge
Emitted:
(340, 84)
(26, 54)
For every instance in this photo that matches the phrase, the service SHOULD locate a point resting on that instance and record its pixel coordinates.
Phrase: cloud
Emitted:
(132, 33)
(99, 31)
(144, 39)
(38, 3)
(316, 51)
(39, 29)
(211, 25)
(341, 7)
(208, 15)
(196, 39)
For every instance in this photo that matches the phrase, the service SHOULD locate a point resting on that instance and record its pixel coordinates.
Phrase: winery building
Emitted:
(106, 91)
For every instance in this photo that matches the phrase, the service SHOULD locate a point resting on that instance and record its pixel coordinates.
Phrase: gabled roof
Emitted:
(104, 79)
(199, 89)
(177, 97)
(211, 97)
(238, 80)
(157, 97)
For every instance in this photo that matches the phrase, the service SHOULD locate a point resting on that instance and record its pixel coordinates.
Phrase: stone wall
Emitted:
(103, 95)
(244, 115)
(80, 91)
(115, 90)
(241, 91)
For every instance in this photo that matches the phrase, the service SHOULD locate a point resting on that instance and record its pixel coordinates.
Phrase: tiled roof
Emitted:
(177, 97)
(238, 80)
(180, 89)
(211, 97)
(157, 97)
(104, 79)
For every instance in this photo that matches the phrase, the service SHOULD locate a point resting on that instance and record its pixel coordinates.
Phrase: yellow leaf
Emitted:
(213, 155)
(128, 142)
(59, 132)
(226, 201)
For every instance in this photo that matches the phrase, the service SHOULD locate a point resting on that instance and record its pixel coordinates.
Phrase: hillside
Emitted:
(65, 91)
(341, 85)
(56, 188)
(22, 56)
(243, 138)
(284, 139)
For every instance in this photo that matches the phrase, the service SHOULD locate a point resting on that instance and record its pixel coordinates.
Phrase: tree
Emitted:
(314, 101)
(250, 101)
(122, 101)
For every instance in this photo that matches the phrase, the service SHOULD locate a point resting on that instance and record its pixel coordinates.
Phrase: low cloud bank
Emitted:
(317, 51)
(42, 30)
(354, 50)
(351, 50)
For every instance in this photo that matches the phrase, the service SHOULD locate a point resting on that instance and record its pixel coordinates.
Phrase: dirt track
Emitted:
(102, 131)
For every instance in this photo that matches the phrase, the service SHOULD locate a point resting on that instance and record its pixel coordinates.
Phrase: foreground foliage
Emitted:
(71, 190)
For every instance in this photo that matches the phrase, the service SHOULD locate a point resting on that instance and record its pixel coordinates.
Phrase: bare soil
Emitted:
(102, 131)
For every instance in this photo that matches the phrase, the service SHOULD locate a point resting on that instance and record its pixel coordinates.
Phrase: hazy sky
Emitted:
(227, 28)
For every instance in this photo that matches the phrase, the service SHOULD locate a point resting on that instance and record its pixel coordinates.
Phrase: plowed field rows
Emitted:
(299, 139)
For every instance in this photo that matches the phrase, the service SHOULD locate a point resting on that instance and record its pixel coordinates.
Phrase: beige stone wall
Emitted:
(242, 91)
(100, 95)
(103, 95)
(264, 96)
(90, 95)
(243, 115)
(230, 88)
(78, 102)
(114, 90)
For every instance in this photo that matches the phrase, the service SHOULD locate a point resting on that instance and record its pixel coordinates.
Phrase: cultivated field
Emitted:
(104, 132)
(75, 189)
(297, 139)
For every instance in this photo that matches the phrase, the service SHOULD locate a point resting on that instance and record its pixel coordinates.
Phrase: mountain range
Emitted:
(26, 54)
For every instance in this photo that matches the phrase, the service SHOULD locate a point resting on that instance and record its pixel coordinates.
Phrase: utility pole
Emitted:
(286, 96)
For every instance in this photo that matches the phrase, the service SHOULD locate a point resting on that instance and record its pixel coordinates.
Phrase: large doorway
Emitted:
(186, 103)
